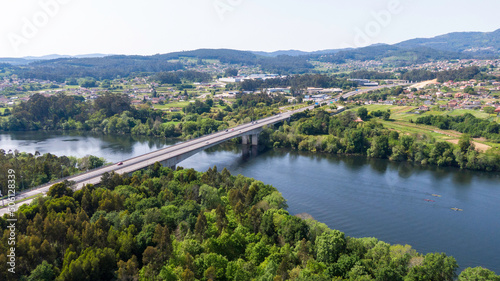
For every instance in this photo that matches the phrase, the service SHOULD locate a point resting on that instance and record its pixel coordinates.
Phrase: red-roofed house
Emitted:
(423, 108)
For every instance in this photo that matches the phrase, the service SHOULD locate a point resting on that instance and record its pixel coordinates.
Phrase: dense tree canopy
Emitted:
(160, 224)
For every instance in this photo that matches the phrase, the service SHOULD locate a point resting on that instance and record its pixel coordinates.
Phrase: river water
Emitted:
(361, 197)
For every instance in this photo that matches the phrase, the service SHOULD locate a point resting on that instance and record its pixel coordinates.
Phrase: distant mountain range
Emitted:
(30, 59)
(295, 53)
(483, 43)
(459, 45)
(471, 44)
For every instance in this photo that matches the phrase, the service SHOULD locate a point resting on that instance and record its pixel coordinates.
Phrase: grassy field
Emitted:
(400, 121)
(170, 105)
(402, 113)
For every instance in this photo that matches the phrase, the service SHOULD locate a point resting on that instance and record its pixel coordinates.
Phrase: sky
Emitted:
(73, 27)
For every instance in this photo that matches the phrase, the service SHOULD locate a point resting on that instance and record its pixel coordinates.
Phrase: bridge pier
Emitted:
(255, 139)
(244, 139)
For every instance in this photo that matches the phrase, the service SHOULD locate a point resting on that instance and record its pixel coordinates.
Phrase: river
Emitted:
(361, 197)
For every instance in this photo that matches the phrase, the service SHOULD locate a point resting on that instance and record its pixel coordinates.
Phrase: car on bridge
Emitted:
(119, 164)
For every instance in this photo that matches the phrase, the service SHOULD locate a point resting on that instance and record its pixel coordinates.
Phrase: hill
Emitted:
(458, 45)
(476, 43)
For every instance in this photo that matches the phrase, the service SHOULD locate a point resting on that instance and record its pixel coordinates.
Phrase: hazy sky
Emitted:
(71, 27)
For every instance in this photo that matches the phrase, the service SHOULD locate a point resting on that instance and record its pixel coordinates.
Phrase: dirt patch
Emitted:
(479, 146)
(422, 85)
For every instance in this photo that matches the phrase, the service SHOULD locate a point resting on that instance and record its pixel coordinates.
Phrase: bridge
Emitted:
(169, 156)
(172, 155)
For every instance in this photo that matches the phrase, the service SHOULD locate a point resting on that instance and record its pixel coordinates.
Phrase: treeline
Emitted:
(113, 114)
(176, 77)
(281, 64)
(34, 169)
(396, 55)
(462, 74)
(467, 123)
(298, 82)
(110, 67)
(223, 55)
(285, 64)
(260, 99)
(380, 94)
(119, 66)
(365, 74)
(317, 131)
(73, 112)
(161, 224)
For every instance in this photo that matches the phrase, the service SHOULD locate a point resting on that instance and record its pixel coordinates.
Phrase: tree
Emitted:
(59, 190)
(363, 113)
(187, 275)
(231, 72)
(163, 243)
(379, 147)
(329, 246)
(92, 264)
(386, 115)
(478, 274)
(488, 109)
(112, 104)
(127, 271)
(469, 90)
(43, 272)
(88, 83)
(465, 143)
(201, 226)
(435, 267)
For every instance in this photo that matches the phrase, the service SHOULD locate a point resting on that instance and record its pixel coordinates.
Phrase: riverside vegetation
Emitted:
(160, 224)
(36, 169)
(310, 130)
(318, 131)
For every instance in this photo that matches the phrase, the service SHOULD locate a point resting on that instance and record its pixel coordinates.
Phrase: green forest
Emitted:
(160, 224)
